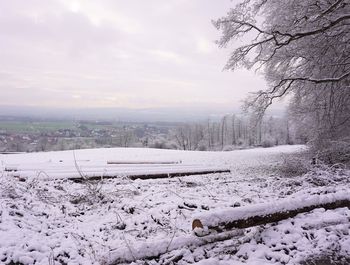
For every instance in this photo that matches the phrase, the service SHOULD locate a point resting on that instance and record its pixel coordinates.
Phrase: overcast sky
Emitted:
(116, 53)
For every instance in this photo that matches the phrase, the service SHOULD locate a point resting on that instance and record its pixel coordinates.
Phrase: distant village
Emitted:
(81, 135)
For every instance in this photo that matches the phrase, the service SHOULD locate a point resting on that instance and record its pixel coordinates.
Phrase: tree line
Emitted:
(236, 131)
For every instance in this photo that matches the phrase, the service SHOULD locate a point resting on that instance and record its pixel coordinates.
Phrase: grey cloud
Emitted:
(116, 53)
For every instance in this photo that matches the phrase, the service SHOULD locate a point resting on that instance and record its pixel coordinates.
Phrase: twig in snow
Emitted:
(175, 230)
(80, 172)
(51, 257)
(128, 246)
(42, 172)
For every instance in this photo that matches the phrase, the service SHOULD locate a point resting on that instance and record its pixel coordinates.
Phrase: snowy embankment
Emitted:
(44, 220)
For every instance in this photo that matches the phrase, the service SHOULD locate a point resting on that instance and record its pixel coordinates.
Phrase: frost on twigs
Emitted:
(295, 165)
(302, 49)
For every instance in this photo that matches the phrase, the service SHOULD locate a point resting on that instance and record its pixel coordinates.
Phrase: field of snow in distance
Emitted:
(94, 161)
(48, 220)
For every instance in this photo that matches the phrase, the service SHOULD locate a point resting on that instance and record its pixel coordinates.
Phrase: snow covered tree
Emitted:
(303, 49)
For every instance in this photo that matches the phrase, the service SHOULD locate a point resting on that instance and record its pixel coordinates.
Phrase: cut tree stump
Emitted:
(264, 213)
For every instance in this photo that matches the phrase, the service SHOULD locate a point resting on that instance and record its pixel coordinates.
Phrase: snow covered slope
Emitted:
(96, 162)
(62, 222)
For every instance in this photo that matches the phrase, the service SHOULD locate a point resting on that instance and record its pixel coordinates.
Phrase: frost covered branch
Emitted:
(302, 48)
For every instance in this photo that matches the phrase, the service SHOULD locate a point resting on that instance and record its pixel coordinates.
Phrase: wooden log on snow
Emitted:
(178, 174)
(152, 175)
(152, 250)
(112, 162)
(11, 153)
(264, 213)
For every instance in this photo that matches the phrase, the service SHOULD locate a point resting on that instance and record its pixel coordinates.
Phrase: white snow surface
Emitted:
(50, 220)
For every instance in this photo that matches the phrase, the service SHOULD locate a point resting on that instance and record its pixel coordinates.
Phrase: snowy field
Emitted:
(47, 219)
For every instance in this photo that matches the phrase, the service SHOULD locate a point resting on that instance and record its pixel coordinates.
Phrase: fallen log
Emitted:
(11, 169)
(11, 153)
(178, 174)
(152, 250)
(144, 176)
(142, 162)
(264, 213)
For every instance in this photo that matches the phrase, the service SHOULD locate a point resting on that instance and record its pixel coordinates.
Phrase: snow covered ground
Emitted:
(50, 220)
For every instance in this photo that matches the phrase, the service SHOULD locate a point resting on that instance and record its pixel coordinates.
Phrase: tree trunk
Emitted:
(264, 213)
(153, 250)
(233, 130)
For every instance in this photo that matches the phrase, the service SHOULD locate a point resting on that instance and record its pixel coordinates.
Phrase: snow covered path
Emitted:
(84, 223)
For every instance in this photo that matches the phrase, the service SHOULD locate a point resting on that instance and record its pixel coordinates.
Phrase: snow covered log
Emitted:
(151, 250)
(179, 174)
(151, 175)
(120, 162)
(263, 213)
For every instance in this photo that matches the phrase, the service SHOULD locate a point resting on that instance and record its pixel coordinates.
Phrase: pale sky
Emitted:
(116, 53)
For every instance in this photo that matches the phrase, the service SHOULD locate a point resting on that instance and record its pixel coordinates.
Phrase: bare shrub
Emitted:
(9, 188)
(295, 165)
(319, 175)
(159, 144)
(325, 176)
(267, 143)
(92, 188)
(335, 152)
(307, 173)
(228, 148)
(202, 147)
(91, 193)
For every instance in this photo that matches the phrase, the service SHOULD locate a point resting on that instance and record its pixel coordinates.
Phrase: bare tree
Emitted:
(303, 49)
(233, 130)
(222, 131)
(125, 136)
(209, 135)
(181, 137)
